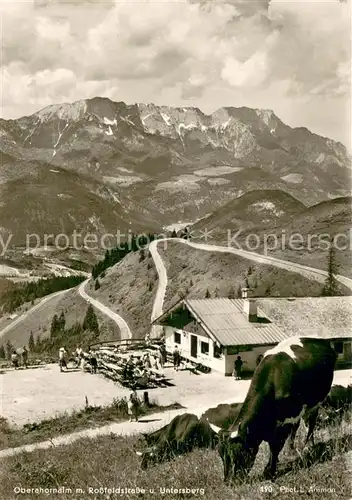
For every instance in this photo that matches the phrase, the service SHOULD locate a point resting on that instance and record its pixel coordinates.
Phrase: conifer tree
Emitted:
(207, 294)
(9, 349)
(54, 328)
(90, 321)
(31, 344)
(62, 322)
(141, 255)
(331, 285)
(38, 343)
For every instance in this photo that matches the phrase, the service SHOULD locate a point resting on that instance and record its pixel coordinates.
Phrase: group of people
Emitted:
(80, 357)
(15, 358)
(139, 368)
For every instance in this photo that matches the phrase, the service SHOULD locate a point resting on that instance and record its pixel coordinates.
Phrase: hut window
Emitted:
(338, 346)
(204, 347)
(217, 351)
(177, 338)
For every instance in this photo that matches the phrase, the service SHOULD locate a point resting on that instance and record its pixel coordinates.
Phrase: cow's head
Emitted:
(149, 456)
(237, 456)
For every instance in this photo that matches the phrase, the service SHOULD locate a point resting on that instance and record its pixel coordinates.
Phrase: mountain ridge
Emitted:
(163, 162)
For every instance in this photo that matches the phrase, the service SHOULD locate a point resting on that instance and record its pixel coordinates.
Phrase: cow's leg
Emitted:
(226, 462)
(311, 422)
(293, 435)
(276, 444)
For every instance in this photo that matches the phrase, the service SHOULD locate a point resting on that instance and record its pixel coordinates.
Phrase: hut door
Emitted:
(193, 346)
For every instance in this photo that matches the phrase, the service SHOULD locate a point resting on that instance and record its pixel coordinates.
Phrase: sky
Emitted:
(291, 57)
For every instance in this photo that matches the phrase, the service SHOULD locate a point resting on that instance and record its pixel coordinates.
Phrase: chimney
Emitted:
(249, 306)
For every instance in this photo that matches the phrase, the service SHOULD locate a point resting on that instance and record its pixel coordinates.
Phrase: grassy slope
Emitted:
(209, 270)
(84, 464)
(129, 289)
(331, 217)
(250, 210)
(85, 418)
(39, 321)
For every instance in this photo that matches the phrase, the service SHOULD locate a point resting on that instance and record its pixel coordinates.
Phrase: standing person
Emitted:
(147, 364)
(14, 359)
(78, 357)
(238, 367)
(177, 358)
(130, 369)
(25, 357)
(93, 361)
(259, 358)
(62, 358)
(133, 405)
(162, 355)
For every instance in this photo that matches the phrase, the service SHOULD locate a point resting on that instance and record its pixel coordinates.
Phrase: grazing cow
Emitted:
(293, 376)
(223, 415)
(336, 404)
(331, 411)
(184, 433)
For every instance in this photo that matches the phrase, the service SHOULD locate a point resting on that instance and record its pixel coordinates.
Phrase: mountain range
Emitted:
(101, 166)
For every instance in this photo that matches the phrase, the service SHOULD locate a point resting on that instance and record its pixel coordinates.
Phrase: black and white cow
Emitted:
(336, 405)
(331, 411)
(184, 433)
(293, 377)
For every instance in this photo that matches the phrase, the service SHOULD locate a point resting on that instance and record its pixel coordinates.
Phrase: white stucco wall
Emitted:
(185, 349)
(249, 359)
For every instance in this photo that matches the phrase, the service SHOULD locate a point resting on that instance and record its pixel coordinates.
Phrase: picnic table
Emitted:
(112, 363)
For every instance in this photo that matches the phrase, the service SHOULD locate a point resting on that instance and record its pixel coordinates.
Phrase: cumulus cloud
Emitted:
(55, 51)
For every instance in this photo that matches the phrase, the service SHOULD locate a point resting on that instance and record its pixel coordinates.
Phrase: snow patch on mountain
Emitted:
(267, 206)
(60, 135)
(123, 180)
(166, 119)
(293, 178)
(183, 183)
(217, 171)
(219, 181)
(127, 120)
(109, 122)
(64, 196)
(265, 114)
(181, 126)
(109, 132)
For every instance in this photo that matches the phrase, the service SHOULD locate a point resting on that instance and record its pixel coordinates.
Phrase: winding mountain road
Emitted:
(121, 323)
(310, 272)
(25, 315)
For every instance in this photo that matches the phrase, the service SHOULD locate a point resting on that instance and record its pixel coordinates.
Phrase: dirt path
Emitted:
(196, 404)
(32, 310)
(310, 272)
(126, 333)
(121, 323)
